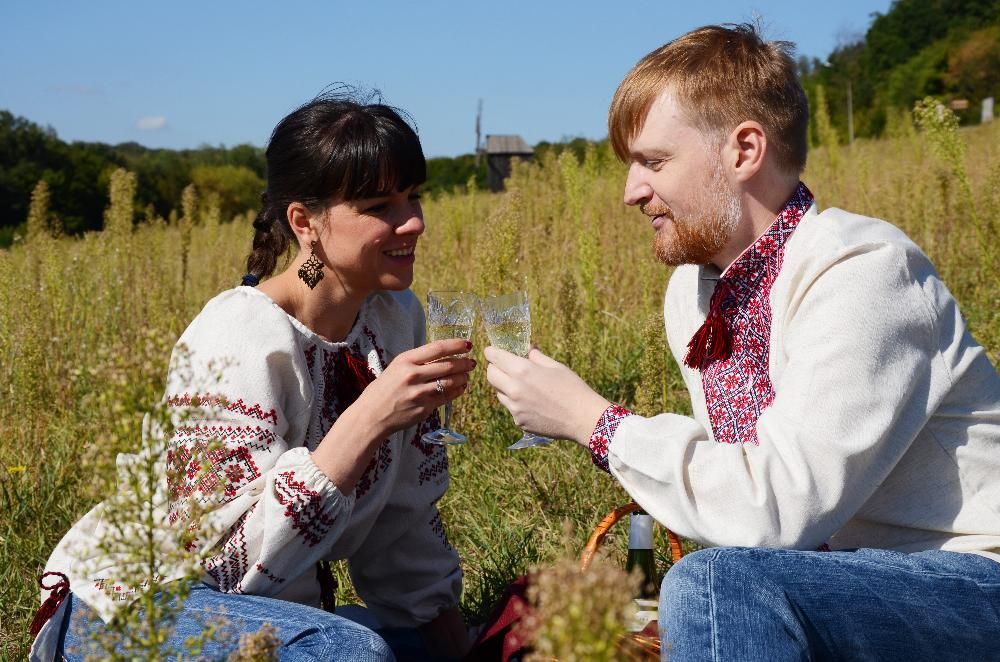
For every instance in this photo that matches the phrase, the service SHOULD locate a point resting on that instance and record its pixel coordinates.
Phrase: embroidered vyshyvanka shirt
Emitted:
(737, 386)
(266, 390)
(877, 423)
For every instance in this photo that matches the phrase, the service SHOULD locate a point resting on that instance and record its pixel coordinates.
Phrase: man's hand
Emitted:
(543, 395)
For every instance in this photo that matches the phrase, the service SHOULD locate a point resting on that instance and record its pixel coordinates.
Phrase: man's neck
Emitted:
(761, 201)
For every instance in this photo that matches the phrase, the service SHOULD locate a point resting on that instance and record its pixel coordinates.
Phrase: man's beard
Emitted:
(698, 238)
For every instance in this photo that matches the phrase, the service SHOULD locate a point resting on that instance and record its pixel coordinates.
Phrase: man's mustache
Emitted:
(656, 210)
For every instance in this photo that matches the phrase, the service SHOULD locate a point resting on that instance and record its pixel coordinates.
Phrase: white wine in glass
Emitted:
(450, 314)
(508, 324)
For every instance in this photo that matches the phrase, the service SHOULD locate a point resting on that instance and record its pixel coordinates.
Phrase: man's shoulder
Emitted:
(835, 231)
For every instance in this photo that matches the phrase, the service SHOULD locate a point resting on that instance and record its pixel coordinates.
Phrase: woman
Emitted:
(312, 428)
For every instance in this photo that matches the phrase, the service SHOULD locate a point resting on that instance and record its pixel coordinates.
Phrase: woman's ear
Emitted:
(302, 222)
(744, 150)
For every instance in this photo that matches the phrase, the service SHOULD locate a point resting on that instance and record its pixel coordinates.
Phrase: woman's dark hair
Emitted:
(333, 148)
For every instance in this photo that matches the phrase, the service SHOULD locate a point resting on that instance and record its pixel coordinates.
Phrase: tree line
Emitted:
(78, 175)
(948, 49)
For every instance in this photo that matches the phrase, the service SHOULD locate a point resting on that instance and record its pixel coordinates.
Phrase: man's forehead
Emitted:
(664, 124)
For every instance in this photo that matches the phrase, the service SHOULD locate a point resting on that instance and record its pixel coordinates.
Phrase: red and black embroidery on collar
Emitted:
(732, 346)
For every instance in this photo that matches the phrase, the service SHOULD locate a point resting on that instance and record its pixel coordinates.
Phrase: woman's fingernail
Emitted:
(474, 363)
(468, 344)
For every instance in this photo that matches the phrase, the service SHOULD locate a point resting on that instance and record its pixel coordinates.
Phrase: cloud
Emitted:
(151, 123)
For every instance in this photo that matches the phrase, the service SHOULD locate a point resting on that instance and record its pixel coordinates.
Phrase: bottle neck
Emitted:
(640, 531)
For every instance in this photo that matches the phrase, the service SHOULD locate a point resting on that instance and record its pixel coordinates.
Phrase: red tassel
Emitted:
(351, 376)
(710, 342)
(359, 369)
(57, 594)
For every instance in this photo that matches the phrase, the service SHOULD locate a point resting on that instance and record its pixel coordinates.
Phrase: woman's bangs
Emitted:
(387, 158)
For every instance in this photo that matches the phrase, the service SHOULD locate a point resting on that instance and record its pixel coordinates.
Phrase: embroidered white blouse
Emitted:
(281, 389)
(884, 428)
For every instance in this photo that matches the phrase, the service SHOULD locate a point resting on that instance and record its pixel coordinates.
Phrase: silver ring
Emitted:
(439, 386)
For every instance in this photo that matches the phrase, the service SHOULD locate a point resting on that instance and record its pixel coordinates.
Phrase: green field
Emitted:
(87, 324)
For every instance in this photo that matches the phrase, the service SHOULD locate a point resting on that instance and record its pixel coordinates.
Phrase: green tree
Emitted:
(235, 188)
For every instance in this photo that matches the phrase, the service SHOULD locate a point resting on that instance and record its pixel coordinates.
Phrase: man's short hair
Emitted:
(722, 75)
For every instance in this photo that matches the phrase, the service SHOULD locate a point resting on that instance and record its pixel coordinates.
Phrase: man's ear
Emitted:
(301, 220)
(744, 150)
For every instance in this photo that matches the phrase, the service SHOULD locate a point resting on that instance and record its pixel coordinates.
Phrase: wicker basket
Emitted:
(644, 645)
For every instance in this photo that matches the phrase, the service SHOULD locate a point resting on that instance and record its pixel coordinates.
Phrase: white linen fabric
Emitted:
(885, 427)
(278, 387)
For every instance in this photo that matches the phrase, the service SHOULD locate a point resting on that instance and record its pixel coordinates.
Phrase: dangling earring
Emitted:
(311, 271)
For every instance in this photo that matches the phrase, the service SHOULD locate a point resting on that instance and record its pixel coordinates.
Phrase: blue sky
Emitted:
(183, 74)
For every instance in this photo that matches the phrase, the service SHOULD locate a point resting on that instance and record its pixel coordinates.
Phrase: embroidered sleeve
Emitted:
(603, 432)
(406, 570)
(238, 453)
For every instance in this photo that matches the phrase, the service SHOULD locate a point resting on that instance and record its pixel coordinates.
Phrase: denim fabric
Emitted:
(734, 603)
(305, 633)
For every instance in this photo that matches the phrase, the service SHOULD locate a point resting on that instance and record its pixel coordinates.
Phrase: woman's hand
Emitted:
(416, 383)
(413, 385)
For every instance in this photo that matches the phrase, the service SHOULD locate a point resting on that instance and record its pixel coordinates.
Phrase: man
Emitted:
(839, 400)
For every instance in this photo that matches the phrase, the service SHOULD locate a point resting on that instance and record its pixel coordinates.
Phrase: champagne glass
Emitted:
(450, 314)
(508, 324)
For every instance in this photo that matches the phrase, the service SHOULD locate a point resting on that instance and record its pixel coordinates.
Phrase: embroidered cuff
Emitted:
(604, 432)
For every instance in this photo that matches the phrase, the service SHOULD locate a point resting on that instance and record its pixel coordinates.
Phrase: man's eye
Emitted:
(654, 164)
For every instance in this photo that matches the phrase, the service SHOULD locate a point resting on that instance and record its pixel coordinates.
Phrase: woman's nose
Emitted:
(412, 224)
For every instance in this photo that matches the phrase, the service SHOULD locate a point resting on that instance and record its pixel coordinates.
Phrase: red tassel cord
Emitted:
(358, 369)
(711, 341)
(351, 375)
(57, 593)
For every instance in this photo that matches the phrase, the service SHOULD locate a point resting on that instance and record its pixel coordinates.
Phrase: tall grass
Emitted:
(86, 326)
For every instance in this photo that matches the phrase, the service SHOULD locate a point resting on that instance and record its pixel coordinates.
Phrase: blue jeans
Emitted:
(734, 603)
(305, 633)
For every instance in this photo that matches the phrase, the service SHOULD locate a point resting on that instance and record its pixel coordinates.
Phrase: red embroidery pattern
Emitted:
(122, 592)
(604, 432)
(310, 352)
(738, 388)
(270, 575)
(230, 565)
(254, 436)
(437, 526)
(230, 468)
(375, 468)
(210, 400)
(432, 422)
(303, 507)
(435, 463)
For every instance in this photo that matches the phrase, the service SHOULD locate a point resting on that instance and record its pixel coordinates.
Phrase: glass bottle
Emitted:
(640, 553)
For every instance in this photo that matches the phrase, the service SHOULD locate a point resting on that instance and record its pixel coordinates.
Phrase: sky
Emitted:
(184, 74)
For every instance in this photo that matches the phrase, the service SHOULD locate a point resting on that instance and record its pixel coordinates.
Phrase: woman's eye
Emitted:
(416, 196)
(374, 210)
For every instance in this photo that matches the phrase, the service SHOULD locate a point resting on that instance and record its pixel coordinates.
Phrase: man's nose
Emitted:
(637, 189)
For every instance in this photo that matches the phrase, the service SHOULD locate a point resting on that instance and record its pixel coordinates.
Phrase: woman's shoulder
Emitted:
(242, 316)
(240, 344)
